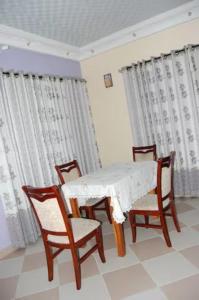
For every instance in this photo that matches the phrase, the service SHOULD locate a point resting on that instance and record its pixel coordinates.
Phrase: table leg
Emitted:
(75, 208)
(119, 235)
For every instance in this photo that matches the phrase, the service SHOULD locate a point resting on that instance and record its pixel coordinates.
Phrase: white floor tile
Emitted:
(168, 268)
(194, 202)
(36, 281)
(142, 234)
(190, 218)
(186, 238)
(107, 228)
(93, 288)
(11, 267)
(64, 256)
(163, 269)
(114, 262)
(35, 248)
(155, 294)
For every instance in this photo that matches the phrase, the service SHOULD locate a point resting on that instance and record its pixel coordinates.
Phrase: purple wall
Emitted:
(29, 61)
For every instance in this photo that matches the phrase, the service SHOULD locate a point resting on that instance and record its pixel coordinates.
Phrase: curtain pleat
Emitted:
(163, 101)
(43, 122)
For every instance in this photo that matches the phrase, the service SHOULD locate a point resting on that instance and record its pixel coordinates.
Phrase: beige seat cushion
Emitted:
(81, 227)
(148, 202)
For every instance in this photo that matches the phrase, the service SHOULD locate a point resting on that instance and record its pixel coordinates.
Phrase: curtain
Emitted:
(163, 103)
(43, 122)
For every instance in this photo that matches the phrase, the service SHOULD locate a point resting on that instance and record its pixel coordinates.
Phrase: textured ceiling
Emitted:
(80, 22)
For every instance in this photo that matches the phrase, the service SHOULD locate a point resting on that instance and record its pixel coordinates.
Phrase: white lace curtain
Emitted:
(163, 102)
(43, 122)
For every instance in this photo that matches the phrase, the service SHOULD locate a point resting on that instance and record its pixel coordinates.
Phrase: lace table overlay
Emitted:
(123, 182)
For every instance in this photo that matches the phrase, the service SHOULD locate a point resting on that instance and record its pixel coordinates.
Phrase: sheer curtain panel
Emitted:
(43, 122)
(163, 102)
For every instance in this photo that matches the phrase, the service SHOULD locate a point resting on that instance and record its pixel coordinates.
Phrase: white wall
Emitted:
(108, 105)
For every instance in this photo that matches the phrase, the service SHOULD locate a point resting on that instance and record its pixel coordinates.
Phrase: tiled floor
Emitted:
(150, 270)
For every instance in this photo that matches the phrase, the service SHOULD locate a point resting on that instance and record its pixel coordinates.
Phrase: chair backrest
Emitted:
(68, 171)
(143, 153)
(50, 211)
(165, 177)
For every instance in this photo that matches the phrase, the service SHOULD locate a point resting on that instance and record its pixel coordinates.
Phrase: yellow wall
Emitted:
(108, 105)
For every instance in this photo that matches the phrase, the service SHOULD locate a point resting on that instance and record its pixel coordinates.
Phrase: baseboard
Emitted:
(6, 251)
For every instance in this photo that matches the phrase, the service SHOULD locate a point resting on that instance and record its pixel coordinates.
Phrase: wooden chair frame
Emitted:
(43, 194)
(162, 212)
(89, 209)
(144, 150)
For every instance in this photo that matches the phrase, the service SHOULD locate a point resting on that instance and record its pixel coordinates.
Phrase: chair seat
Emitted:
(92, 201)
(148, 202)
(80, 227)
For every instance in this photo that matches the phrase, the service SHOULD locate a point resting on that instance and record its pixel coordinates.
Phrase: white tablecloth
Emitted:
(123, 182)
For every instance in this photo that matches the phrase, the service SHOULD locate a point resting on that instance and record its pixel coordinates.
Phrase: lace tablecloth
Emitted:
(123, 182)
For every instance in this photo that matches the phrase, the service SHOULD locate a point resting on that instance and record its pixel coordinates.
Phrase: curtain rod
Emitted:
(41, 76)
(157, 57)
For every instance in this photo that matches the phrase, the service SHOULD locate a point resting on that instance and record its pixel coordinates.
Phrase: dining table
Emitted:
(123, 183)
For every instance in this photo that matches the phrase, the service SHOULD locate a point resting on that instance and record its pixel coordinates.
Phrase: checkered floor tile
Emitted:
(150, 270)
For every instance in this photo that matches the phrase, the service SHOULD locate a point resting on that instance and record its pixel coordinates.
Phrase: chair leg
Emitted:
(77, 268)
(87, 212)
(146, 218)
(82, 211)
(99, 241)
(132, 218)
(107, 207)
(91, 213)
(165, 230)
(174, 215)
(49, 261)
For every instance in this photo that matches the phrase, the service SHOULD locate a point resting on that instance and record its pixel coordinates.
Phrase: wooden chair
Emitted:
(59, 231)
(157, 204)
(71, 171)
(144, 153)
